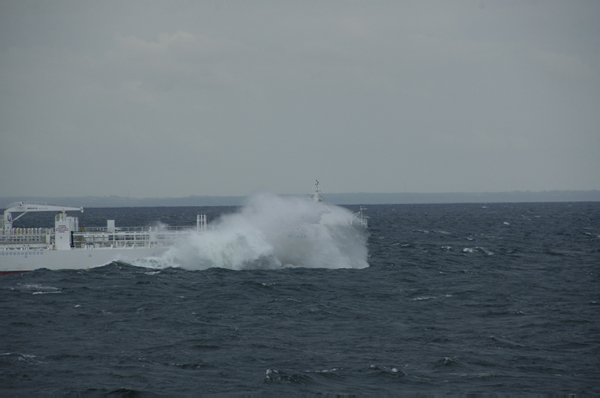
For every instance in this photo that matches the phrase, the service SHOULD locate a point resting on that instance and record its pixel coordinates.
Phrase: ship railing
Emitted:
(138, 229)
(117, 229)
(24, 236)
(90, 238)
(25, 231)
(23, 247)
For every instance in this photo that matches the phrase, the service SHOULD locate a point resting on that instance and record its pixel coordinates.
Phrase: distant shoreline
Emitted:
(334, 198)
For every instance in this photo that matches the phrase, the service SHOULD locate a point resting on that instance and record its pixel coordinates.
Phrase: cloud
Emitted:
(565, 66)
(174, 60)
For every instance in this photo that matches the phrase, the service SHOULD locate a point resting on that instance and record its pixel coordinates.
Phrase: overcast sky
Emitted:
(179, 98)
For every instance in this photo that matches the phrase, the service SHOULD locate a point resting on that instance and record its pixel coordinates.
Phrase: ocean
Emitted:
(449, 299)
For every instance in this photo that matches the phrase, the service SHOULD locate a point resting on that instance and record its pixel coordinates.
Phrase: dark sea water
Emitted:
(471, 298)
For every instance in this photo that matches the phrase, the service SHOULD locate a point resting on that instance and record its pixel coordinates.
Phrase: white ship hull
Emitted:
(29, 260)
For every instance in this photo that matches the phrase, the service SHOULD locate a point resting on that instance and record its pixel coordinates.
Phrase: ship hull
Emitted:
(29, 260)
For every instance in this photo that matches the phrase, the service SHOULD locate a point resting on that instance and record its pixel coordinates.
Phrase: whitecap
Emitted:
(272, 232)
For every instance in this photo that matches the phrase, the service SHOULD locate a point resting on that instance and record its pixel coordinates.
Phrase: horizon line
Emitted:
(302, 194)
(350, 198)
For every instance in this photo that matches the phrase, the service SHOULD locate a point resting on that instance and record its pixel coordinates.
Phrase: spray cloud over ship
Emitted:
(272, 232)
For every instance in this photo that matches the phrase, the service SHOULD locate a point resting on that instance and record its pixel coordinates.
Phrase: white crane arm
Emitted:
(26, 207)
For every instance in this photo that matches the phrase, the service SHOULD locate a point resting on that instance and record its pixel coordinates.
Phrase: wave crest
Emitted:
(272, 232)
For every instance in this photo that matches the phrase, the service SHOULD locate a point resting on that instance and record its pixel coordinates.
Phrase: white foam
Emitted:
(272, 232)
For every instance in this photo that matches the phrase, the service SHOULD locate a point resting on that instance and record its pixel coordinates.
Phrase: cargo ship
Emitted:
(68, 246)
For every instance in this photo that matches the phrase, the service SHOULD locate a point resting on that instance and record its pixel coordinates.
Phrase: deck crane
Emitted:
(26, 207)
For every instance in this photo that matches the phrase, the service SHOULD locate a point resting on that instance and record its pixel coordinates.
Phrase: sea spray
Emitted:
(272, 232)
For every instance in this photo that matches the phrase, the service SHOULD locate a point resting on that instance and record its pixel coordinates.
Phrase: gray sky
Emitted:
(179, 98)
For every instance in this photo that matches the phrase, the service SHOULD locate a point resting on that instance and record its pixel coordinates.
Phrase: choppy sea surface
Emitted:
(456, 298)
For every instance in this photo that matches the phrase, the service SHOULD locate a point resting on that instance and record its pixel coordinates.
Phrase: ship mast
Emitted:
(317, 195)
